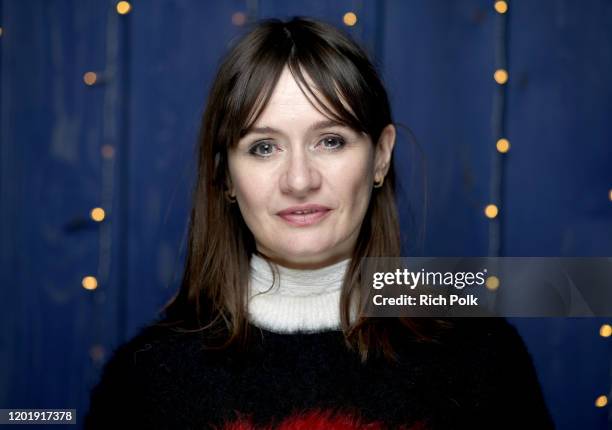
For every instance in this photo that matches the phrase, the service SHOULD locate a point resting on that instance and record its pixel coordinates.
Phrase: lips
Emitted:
(304, 208)
(304, 214)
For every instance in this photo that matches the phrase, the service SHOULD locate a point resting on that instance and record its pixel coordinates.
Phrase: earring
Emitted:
(378, 184)
(229, 197)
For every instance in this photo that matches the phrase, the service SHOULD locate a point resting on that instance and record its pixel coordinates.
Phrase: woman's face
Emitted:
(294, 156)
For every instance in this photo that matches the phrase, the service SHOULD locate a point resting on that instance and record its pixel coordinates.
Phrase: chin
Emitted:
(305, 255)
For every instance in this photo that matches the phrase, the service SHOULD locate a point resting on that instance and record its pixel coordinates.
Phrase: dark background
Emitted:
(126, 144)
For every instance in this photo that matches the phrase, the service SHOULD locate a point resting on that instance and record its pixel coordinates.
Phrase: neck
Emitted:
(295, 300)
(288, 264)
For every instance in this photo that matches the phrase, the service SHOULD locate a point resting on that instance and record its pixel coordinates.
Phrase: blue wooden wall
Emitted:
(126, 144)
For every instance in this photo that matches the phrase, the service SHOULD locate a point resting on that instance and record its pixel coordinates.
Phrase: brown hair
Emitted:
(217, 268)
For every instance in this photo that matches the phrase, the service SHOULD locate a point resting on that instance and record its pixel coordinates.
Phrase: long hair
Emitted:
(212, 295)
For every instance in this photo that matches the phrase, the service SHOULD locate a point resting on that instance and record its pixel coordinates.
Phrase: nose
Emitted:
(301, 174)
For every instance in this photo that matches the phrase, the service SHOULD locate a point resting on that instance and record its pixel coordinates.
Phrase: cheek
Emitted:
(253, 192)
(354, 181)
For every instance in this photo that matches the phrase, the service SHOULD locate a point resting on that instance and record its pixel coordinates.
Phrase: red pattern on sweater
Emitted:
(317, 420)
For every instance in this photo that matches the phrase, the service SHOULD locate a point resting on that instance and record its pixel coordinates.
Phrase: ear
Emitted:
(230, 186)
(228, 180)
(384, 149)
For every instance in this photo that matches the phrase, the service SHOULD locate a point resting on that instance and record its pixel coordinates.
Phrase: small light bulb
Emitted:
(503, 145)
(500, 76)
(605, 330)
(601, 401)
(124, 7)
(108, 151)
(349, 19)
(238, 19)
(501, 6)
(90, 78)
(89, 283)
(491, 211)
(492, 283)
(97, 353)
(97, 214)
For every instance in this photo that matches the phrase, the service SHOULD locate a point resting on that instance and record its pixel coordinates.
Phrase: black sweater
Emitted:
(479, 375)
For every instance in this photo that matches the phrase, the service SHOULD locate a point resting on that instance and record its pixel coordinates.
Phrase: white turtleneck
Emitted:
(300, 301)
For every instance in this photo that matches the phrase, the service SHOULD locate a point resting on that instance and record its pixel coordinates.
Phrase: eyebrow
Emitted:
(313, 127)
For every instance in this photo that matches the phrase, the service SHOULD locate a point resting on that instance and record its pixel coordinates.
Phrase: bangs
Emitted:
(328, 76)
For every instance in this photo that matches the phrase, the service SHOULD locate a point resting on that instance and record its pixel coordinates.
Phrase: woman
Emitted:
(295, 186)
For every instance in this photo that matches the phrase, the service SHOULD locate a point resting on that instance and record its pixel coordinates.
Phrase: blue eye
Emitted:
(267, 146)
(335, 141)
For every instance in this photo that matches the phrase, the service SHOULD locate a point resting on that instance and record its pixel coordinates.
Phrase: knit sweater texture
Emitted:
(295, 300)
(297, 372)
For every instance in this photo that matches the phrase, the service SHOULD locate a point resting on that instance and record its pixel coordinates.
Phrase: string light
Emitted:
(610, 195)
(89, 283)
(492, 283)
(500, 76)
(97, 352)
(238, 18)
(503, 145)
(491, 211)
(605, 330)
(1, 31)
(97, 214)
(90, 78)
(124, 7)
(501, 6)
(108, 151)
(601, 401)
(350, 19)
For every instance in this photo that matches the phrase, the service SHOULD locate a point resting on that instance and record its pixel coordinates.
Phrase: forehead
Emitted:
(289, 105)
